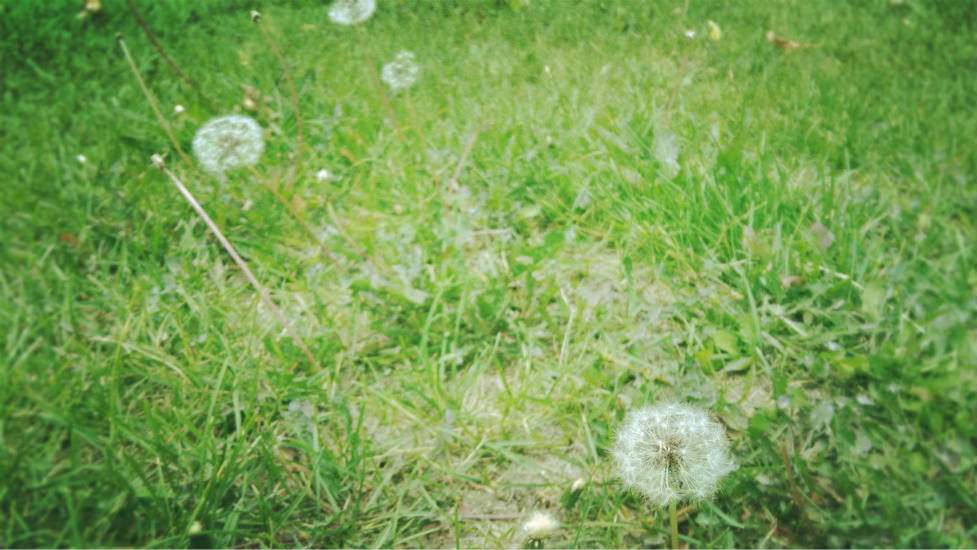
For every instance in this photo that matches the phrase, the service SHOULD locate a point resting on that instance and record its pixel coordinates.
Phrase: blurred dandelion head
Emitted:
(228, 142)
(671, 452)
(539, 526)
(402, 72)
(351, 12)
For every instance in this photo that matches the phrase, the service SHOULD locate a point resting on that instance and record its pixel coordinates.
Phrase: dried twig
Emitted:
(158, 161)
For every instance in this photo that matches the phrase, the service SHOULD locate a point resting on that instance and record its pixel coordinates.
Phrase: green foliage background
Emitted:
(147, 400)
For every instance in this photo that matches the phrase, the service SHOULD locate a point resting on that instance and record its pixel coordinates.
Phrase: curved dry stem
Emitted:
(295, 101)
(241, 263)
(162, 52)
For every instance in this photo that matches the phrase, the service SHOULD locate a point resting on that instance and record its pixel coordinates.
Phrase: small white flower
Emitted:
(228, 142)
(690, 34)
(82, 159)
(578, 484)
(671, 452)
(351, 12)
(178, 110)
(323, 176)
(157, 161)
(540, 525)
(402, 72)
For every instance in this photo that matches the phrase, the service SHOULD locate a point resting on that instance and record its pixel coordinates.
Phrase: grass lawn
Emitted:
(583, 211)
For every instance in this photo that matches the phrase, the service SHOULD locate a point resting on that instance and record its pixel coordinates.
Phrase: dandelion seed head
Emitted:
(82, 159)
(402, 72)
(178, 110)
(228, 142)
(351, 12)
(540, 525)
(671, 452)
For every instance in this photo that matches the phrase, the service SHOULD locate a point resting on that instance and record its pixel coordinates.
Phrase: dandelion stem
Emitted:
(349, 240)
(413, 117)
(673, 523)
(794, 491)
(453, 182)
(298, 217)
(295, 101)
(376, 81)
(244, 267)
(671, 100)
(152, 103)
(162, 52)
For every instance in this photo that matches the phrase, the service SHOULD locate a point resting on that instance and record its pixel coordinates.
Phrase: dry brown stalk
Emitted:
(162, 52)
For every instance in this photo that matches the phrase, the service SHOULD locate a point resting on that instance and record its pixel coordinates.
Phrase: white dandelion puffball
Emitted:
(540, 525)
(671, 452)
(228, 142)
(351, 12)
(402, 72)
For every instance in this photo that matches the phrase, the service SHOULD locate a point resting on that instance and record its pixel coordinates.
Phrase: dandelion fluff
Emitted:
(351, 12)
(228, 142)
(402, 72)
(666, 152)
(671, 452)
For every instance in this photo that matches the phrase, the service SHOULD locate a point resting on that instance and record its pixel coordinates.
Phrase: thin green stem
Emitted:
(673, 517)
(162, 52)
(295, 101)
(298, 217)
(413, 116)
(376, 81)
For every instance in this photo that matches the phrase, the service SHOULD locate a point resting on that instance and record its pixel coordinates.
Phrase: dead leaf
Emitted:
(347, 154)
(786, 45)
(251, 98)
(825, 237)
(68, 239)
(244, 57)
(787, 281)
